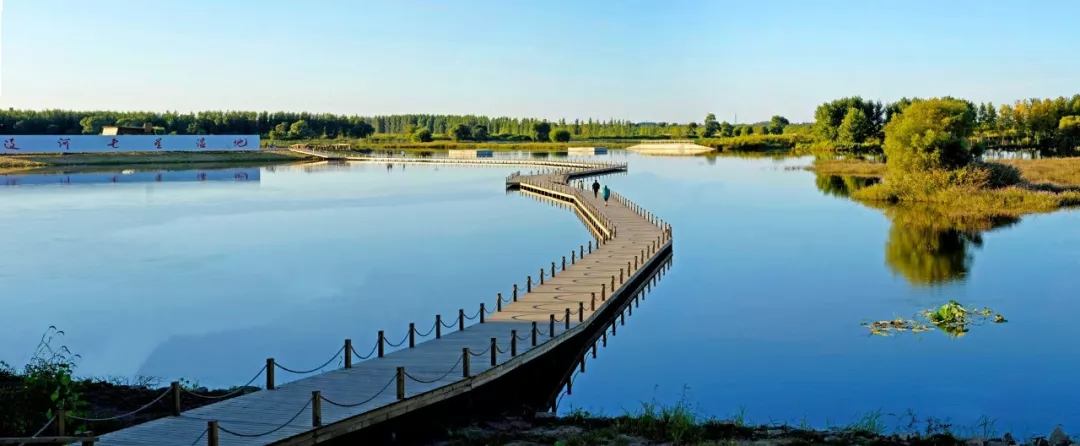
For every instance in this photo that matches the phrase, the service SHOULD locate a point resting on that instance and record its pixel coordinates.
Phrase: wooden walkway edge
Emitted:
(456, 354)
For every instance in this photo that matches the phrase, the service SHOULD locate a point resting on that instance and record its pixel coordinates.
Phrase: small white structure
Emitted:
(465, 153)
(670, 148)
(587, 150)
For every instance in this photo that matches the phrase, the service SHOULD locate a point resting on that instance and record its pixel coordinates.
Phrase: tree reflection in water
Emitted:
(926, 245)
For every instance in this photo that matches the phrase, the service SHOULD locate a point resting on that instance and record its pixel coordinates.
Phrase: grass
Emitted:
(1059, 172)
(22, 163)
(680, 424)
(397, 144)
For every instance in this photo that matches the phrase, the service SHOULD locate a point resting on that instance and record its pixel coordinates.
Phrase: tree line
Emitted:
(1053, 124)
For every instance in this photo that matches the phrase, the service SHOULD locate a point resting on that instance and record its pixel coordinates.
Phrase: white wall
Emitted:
(18, 144)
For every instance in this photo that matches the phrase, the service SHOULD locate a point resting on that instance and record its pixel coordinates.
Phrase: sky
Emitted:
(669, 61)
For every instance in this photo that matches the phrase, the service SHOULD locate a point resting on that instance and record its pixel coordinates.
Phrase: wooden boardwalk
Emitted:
(552, 305)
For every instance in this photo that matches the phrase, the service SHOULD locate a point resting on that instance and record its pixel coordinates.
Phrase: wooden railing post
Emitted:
(175, 386)
(482, 311)
(590, 246)
(494, 352)
(582, 250)
(270, 373)
(551, 328)
(513, 343)
(515, 292)
(401, 383)
(212, 433)
(534, 330)
(567, 318)
(603, 292)
(382, 343)
(613, 283)
(620, 275)
(61, 422)
(412, 335)
(438, 326)
(316, 408)
(573, 258)
(498, 302)
(592, 306)
(563, 264)
(465, 362)
(541, 276)
(635, 262)
(348, 353)
(581, 311)
(461, 319)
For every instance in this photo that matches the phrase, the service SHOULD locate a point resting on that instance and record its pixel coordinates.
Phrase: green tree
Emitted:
(541, 131)
(480, 133)
(691, 129)
(460, 132)
(300, 130)
(560, 135)
(726, 129)
(410, 129)
(280, 131)
(777, 124)
(1069, 133)
(712, 127)
(930, 134)
(422, 135)
(855, 128)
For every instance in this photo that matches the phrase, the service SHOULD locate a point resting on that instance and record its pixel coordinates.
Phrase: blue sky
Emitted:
(659, 61)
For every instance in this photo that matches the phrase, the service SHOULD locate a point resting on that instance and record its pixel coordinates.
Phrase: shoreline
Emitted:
(10, 164)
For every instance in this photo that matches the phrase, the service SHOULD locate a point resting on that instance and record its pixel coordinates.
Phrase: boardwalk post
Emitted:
(528, 285)
(534, 330)
(316, 408)
(465, 362)
(513, 343)
(498, 302)
(551, 328)
(175, 385)
(541, 276)
(581, 252)
(494, 352)
(573, 258)
(564, 263)
(635, 262)
(590, 246)
(515, 292)
(594, 349)
(581, 311)
(438, 326)
(61, 422)
(620, 275)
(592, 306)
(412, 335)
(270, 373)
(613, 283)
(603, 290)
(567, 318)
(461, 319)
(382, 343)
(400, 383)
(348, 353)
(482, 311)
(211, 433)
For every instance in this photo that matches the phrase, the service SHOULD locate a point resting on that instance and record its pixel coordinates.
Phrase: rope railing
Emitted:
(40, 431)
(117, 417)
(304, 372)
(235, 391)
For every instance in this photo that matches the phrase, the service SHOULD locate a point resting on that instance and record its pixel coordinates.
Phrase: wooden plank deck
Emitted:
(367, 393)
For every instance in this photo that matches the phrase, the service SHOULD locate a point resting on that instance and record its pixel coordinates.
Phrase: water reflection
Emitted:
(925, 246)
(121, 175)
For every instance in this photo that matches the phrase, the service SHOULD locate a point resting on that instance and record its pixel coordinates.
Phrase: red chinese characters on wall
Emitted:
(157, 143)
(242, 142)
(114, 144)
(200, 143)
(64, 143)
(9, 144)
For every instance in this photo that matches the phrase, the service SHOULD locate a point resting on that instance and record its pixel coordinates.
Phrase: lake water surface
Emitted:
(773, 272)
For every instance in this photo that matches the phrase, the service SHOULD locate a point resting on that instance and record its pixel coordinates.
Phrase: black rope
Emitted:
(486, 350)
(372, 352)
(474, 316)
(365, 401)
(304, 372)
(445, 325)
(203, 434)
(399, 344)
(429, 332)
(444, 375)
(302, 409)
(234, 392)
(117, 417)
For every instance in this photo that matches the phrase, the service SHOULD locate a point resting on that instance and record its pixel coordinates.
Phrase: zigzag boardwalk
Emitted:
(552, 305)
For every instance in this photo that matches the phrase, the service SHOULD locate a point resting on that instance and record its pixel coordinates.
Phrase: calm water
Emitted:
(773, 272)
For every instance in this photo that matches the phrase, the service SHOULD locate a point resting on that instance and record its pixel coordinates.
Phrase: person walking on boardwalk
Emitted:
(595, 188)
(607, 194)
